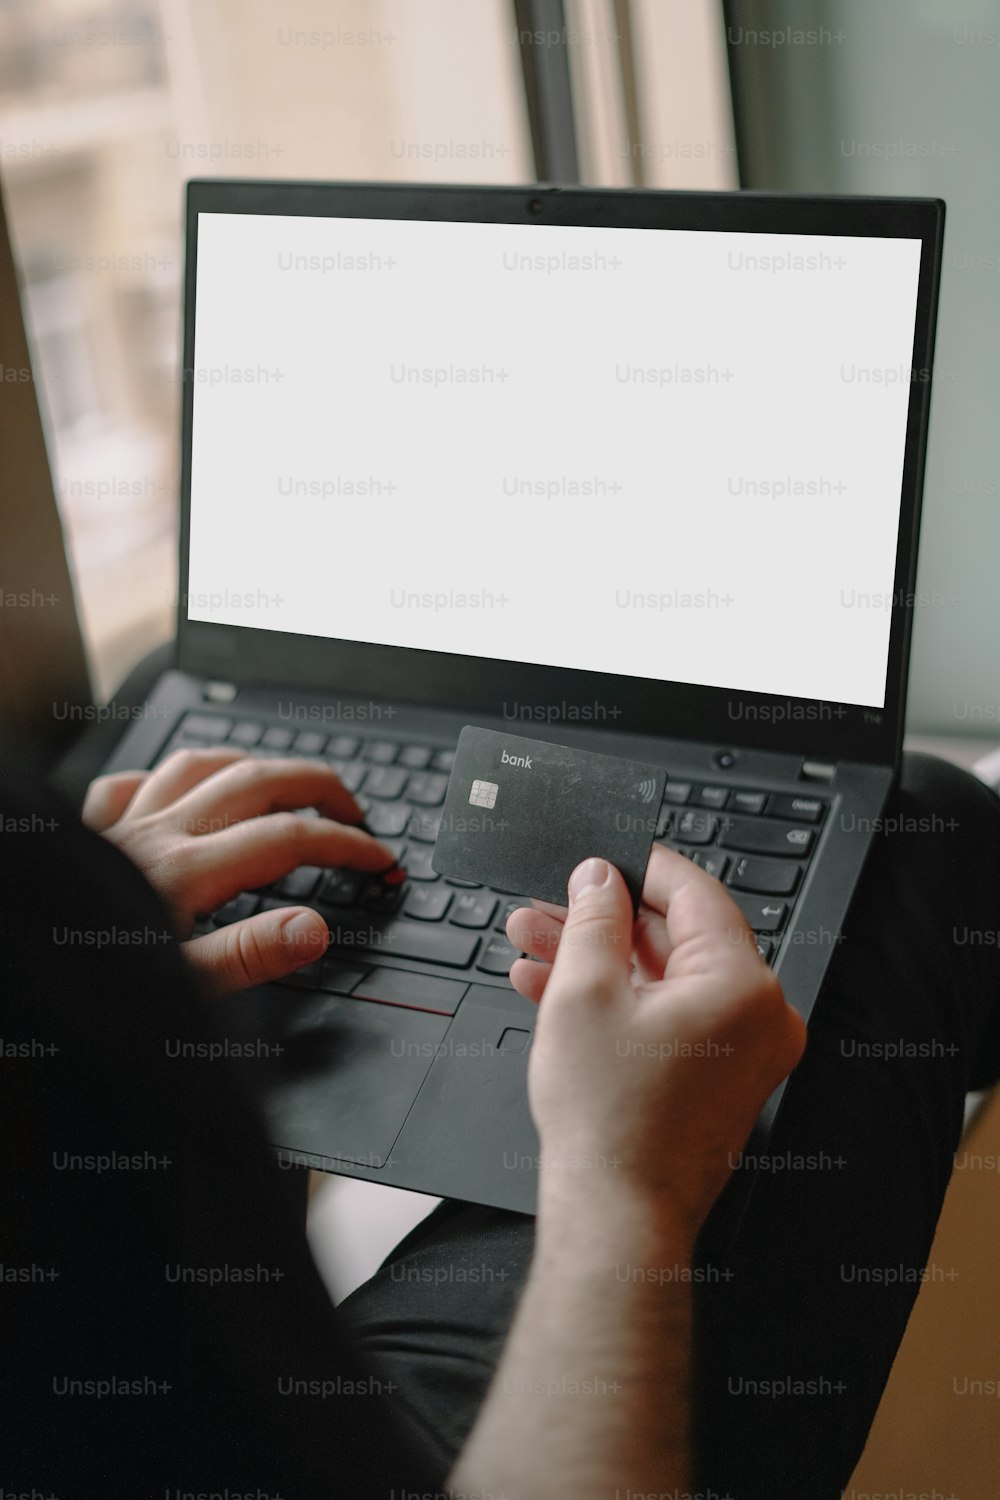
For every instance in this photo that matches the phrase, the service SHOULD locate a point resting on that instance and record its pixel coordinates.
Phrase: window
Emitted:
(107, 106)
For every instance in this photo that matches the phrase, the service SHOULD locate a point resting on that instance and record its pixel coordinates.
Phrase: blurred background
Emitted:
(107, 106)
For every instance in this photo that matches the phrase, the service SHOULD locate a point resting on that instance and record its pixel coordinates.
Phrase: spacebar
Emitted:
(359, 933)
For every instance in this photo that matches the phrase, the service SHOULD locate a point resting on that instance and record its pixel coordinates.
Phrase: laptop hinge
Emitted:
(218, 692)
(817, 770)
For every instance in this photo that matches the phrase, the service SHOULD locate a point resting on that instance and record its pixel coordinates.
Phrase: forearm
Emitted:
(591, 1394)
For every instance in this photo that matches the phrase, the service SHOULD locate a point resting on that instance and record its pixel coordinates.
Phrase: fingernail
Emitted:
(589, 876)
(301, 930)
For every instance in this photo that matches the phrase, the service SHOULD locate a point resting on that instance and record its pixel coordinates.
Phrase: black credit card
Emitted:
(521, 814)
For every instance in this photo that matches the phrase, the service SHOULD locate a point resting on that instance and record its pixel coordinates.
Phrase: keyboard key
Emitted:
(309, 743)
(467, 885)
(677, 792)
(801, 809)
(276, 738)
(351, 773)
(206, 726)
(424, 826)
(663, 822)
(713, 796)
(415, 991)
(428, 902)
(382, 752)
(417, 863)
(695, 827)
(443, 760)
(343, 746)
(397, 848)
(340, 888)
(771, 877)
(299, 884)
(764, 946)
(711, 861)
(246, 733)
(188, 742)
(762, 836)
(416, 757)
(749, 802)
(428, 942)
(379, 897)
(427, 788)
(388, 819)
(761, 914)
(497, 956)
(385, 782)
(473, 911)
(237, 910)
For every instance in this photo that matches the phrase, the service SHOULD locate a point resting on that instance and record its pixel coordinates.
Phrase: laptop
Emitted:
(637, 472)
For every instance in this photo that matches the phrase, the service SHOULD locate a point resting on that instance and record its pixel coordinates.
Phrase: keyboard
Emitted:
(422, 942)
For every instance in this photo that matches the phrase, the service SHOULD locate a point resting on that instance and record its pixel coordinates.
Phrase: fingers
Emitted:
(178, 774)
(702, 920)
(253, 788)
(595, 953)
(651, 943)
(536, 932)
(550, 909)
(530, 979)
(682, 906)
(108, 797)
(261, 948)
(714, 976)
(670, 875)
(262, 850)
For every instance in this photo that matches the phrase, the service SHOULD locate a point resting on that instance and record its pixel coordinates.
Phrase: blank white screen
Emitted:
(551, 506)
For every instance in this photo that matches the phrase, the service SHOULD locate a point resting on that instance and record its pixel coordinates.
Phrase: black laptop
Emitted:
(637, 472)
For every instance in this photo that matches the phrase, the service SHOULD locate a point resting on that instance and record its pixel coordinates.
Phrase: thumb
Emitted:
(261, 948)
(595, 948)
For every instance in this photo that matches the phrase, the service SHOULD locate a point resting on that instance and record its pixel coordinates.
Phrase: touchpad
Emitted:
(347, 1074)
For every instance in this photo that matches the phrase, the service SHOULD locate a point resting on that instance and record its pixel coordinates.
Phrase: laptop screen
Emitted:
(666, 454)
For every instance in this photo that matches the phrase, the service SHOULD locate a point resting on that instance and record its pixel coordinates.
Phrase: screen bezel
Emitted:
(643, 706)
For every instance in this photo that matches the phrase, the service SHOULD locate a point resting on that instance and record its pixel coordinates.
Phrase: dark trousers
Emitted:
(263, 1386)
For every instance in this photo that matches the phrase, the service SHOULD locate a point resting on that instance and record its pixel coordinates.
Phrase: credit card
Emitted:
(521, 814)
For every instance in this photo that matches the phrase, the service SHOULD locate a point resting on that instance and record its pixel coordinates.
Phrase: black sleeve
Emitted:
(165, 1327)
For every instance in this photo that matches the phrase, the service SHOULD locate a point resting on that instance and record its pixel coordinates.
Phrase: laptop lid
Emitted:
(649, 460)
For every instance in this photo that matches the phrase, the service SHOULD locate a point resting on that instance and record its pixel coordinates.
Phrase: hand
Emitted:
(207, 824)
(649, 1078)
